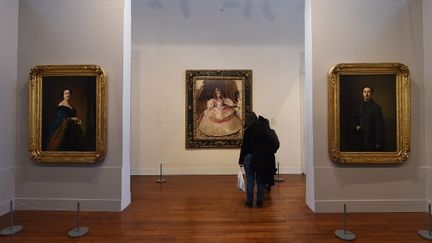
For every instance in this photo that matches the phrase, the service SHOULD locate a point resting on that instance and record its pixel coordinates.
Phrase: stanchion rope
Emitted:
(69, 208)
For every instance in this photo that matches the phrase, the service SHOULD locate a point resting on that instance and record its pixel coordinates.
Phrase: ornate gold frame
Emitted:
(402, 111)
(193, 139)
(36, 95)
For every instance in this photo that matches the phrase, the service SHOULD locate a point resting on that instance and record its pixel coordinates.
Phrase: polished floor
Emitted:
(211, 209)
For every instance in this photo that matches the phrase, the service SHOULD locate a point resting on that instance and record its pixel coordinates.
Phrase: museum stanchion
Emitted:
(12, 229)
(78, 231)
(277, 178)
(344, 234)
(427, 234)
(161, 179)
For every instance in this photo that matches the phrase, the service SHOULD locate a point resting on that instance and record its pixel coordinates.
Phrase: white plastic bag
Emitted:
(241, 181)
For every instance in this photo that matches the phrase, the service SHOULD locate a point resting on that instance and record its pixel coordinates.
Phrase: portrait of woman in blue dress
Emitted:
(66, 132)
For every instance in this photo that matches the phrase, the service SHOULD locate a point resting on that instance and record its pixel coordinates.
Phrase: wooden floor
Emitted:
(210, 209)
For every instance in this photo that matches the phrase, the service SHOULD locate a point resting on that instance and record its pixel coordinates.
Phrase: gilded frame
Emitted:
(89, 86)
(393, 78)
(236, 89)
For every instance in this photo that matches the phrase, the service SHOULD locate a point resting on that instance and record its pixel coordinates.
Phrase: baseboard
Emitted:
(7, 188)
(366, 206)
(201, 171)
(67, 204)
(4, 207)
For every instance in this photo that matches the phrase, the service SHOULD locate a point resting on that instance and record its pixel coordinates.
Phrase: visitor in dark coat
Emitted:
(263, 152)
(246, 161)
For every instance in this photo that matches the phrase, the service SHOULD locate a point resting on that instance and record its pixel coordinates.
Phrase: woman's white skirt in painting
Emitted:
(218, 122)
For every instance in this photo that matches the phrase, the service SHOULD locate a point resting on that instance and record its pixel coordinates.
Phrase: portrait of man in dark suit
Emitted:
(368, 113)
(369, 122)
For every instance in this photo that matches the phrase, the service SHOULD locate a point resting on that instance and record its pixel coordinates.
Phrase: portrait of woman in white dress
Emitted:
(220, 118)
(216, 104)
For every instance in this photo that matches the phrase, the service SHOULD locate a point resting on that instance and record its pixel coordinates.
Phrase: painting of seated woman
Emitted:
(218, 108)
(220, 118)
(216, 104)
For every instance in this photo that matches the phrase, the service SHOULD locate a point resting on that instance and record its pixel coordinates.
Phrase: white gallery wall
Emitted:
(8, 79)
(169, 37)
(74, 32)
(427, 45)
(367, 31)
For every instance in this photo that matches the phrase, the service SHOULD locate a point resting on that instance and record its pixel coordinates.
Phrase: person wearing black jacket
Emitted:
(263, 155)
(246, 157)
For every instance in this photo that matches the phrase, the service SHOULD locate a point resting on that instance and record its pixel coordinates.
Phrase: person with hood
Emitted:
(265, 145)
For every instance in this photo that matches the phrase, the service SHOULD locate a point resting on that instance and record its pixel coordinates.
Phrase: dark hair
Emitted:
(220, 90)
(251, 119)
(63, 90)
(367, 86)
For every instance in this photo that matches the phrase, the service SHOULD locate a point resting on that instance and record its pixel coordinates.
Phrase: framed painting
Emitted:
(369, 113)
(216, 104)
(67, 111)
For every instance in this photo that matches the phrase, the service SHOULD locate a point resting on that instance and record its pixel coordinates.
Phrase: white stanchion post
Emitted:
(12, 229)
(345, 234)
(161, 179)
(78, 231)
(427, 234)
